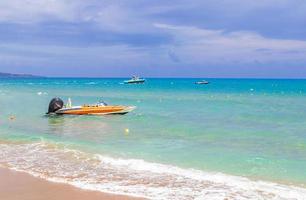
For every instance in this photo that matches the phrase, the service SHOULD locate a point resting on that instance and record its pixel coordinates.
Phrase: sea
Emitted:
(230, 139)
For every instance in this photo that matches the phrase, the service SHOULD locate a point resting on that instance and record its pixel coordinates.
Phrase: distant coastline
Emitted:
(9, 75)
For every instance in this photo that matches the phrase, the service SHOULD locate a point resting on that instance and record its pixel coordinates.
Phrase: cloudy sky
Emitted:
(154, 38)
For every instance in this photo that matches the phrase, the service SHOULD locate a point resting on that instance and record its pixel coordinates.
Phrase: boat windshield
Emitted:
(69, 103)
(102, 103)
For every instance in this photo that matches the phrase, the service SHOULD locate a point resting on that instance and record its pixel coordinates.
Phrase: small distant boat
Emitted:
(135, 80)
(56, 106)
(203, 82)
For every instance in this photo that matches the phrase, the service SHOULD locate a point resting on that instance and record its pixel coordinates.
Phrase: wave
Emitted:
(42, 93)
(91, 83)
(133, 177)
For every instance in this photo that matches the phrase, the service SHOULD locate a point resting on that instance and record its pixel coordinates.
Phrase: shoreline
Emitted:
(16, 185)
(168, 182)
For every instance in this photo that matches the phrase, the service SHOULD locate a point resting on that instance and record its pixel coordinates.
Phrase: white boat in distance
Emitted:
(135, 80)
(203, 82)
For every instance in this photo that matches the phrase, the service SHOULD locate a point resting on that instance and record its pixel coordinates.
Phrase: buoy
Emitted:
(126, 131)
(12, 117)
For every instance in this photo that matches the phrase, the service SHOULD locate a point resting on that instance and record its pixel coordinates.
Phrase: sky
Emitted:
(154, 38)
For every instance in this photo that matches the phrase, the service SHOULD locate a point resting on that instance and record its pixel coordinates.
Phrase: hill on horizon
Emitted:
(10, 75)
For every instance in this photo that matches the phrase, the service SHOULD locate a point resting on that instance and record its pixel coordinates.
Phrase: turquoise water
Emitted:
(240, 127)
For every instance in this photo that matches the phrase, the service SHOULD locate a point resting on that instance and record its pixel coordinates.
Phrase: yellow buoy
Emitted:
(126, 131)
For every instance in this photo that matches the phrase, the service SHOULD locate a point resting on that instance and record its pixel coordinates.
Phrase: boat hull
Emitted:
(201, 83)
(96, 110)
(134, 82)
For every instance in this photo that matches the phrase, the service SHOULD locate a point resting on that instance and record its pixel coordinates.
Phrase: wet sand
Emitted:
(21, 186)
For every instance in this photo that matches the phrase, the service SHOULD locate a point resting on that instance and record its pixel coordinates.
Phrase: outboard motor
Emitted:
(54, 105)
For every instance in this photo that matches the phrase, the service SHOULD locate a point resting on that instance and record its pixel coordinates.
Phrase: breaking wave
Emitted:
(133, 177)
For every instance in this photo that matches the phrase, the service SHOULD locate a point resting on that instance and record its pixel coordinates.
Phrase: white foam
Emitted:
(136, 177)
(42, 93)
(91, 83)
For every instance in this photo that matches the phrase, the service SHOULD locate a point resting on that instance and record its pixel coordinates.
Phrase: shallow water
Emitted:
(184, 140)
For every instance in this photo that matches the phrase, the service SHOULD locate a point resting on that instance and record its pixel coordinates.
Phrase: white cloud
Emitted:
(217, 46)
(30, 11)
(114, 17)
(111, 55)
(110, 15)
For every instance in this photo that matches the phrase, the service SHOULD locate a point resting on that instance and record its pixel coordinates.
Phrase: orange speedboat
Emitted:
(56, 106)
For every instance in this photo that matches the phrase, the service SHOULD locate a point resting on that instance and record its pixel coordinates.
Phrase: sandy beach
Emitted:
(21, 186)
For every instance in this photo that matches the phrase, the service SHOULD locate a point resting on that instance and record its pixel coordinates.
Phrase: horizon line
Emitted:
(155, 77)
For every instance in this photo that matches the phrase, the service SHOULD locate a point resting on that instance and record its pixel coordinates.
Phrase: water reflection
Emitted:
(91, 128)
(56, 124)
